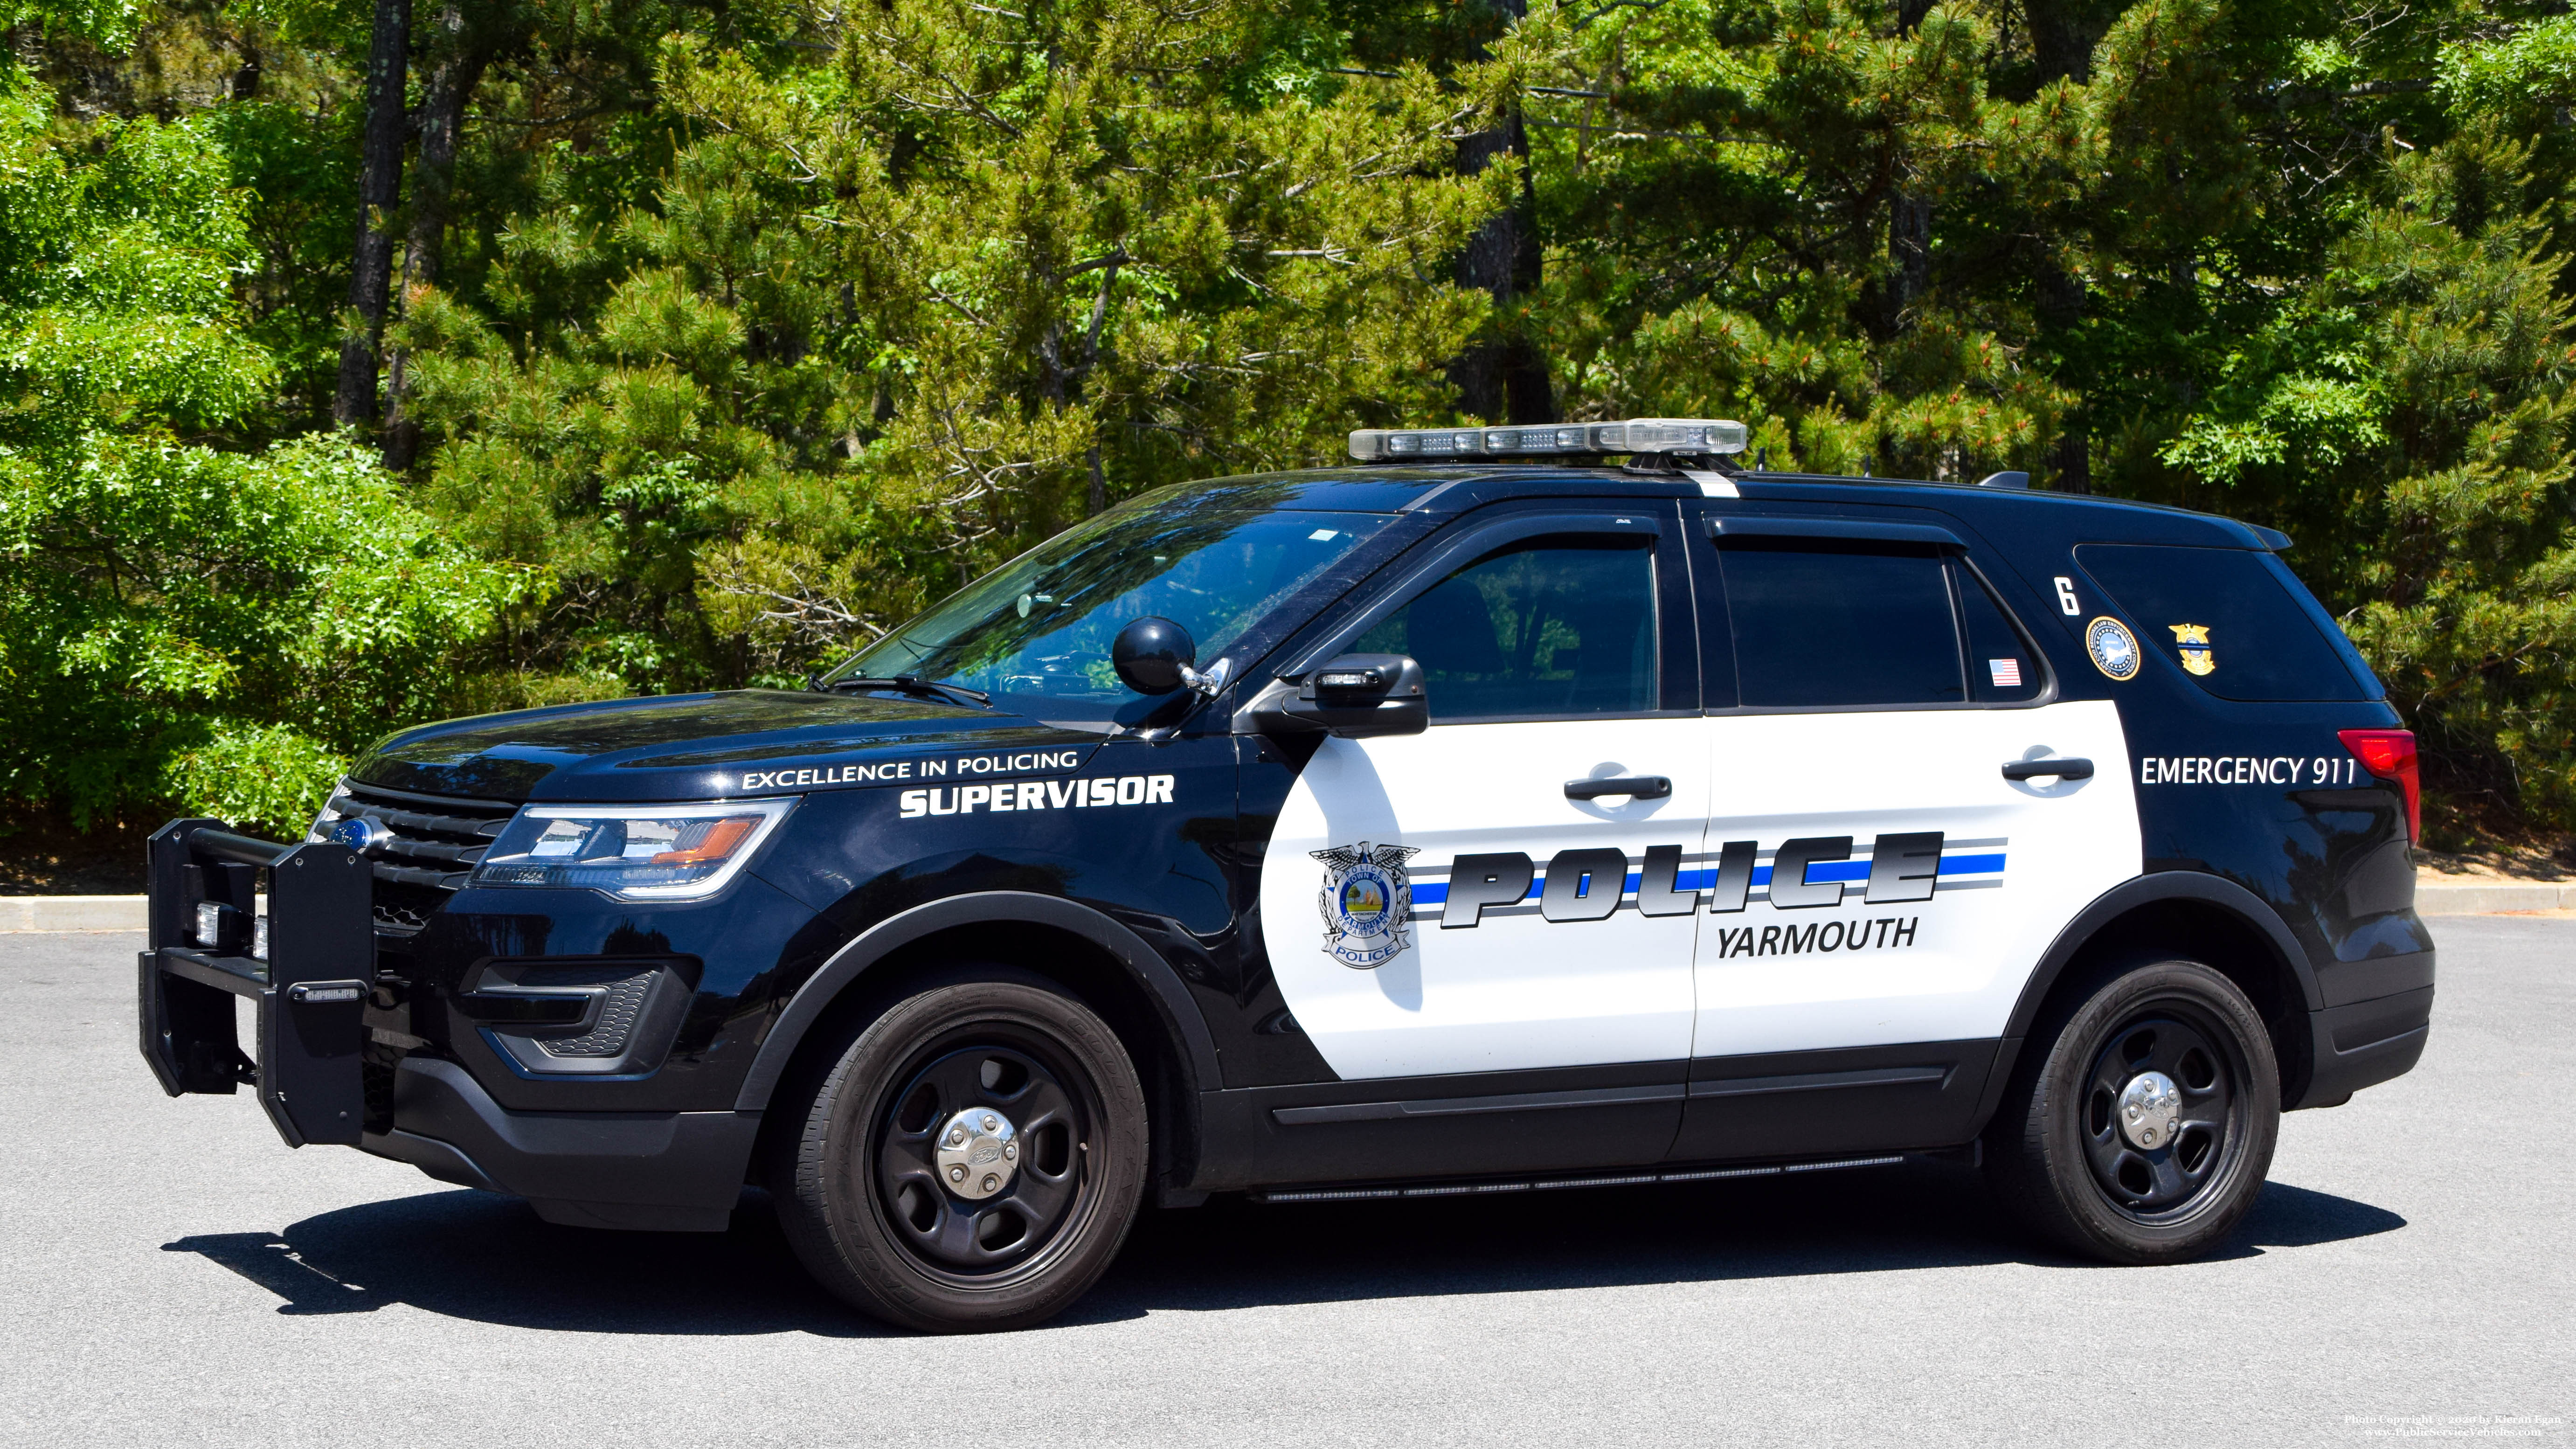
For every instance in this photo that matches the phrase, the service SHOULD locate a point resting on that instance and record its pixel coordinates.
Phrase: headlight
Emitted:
(636, 852)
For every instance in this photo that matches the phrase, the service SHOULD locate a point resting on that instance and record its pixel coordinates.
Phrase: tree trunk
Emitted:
(2064, 32)
(1501, 376)
(379, 188)
(1909, 255)
(458, 69)
(2061, 307)
(2062, 36)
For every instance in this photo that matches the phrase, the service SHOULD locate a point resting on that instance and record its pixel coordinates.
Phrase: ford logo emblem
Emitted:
(359, 833)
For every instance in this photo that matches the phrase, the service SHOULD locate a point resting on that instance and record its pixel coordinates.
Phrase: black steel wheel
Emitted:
(2164, 1105)
(962, 1230)
(971, 1160)
(2140, 1123)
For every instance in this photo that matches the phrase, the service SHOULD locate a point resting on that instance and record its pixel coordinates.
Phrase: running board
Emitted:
(1625, 1179)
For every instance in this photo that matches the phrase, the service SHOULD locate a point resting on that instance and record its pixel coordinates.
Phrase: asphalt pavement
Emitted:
(174, 1274)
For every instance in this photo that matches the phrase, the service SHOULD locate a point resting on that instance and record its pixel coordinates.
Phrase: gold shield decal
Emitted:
(2193, 642)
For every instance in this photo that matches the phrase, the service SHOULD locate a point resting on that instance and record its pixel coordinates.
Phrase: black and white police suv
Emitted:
(1465, 819)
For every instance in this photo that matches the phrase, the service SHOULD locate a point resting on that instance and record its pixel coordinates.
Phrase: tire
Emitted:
(888, 1193)
(2069, 1159)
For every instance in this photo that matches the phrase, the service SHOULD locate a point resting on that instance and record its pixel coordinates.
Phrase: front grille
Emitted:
(435, 843)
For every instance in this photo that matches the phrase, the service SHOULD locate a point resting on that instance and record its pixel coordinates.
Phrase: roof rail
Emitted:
(2005, 480)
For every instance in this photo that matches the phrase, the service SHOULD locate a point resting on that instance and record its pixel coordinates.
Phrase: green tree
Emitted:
(2409, 417)
(889, 319)
(179, 622)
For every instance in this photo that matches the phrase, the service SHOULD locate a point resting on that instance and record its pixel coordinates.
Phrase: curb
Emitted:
(2444, 899)
(71, 913)
(125, 913)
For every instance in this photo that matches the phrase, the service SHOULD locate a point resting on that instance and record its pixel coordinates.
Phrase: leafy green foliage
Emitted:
(760, 327)
(888, 319)
(213, 628)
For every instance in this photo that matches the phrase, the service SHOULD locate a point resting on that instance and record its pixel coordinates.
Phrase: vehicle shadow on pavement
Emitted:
(1919, 1215)
(490, 1259)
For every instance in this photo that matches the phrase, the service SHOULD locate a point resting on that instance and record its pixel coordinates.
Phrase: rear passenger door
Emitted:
(1878, 888)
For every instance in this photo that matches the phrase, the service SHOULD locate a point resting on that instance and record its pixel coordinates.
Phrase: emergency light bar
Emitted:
(1636, 435)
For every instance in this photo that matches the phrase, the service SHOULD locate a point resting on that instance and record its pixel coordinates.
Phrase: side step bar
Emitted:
(1542, 1184)
(310, 966)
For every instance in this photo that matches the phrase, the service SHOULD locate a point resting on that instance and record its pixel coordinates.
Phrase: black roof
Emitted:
(1446, 489)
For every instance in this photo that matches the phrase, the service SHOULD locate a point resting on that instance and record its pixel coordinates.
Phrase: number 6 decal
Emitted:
(2066, 596)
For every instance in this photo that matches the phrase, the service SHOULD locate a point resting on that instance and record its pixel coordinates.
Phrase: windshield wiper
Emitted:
(915, 686)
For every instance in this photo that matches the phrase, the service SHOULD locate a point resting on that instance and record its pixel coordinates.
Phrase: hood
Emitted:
(711, 746)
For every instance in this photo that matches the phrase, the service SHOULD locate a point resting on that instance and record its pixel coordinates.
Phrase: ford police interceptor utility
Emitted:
(1475, 817)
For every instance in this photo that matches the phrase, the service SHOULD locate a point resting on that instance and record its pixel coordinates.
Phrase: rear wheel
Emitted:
(971, 1160)
(2142, 1131)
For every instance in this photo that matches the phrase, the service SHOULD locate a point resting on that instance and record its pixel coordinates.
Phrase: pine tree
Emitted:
(890, 319)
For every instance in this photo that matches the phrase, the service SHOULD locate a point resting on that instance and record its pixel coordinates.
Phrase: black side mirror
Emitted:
(1153, 655)
(1351, 695)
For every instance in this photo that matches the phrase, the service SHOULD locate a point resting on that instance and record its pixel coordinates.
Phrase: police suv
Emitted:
(1475, 817)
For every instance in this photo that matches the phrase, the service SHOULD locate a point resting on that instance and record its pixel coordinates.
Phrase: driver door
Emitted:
(1541, 826)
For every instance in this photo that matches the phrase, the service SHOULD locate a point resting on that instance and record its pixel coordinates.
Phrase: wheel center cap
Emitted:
(2150, 1111)
(978, 1153)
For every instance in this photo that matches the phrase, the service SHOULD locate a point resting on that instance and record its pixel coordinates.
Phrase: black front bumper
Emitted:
(670, 1171)
(660, 1171)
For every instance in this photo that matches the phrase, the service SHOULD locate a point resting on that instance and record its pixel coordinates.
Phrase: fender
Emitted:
(2128, 895)
(1180, 1016)
(2164, 885)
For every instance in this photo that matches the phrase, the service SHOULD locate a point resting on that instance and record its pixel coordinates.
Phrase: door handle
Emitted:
(2033, 769)
(1642, 787)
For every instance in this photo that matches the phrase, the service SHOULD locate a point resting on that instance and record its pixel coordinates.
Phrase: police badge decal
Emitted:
(1367, 902)
(2192, 642)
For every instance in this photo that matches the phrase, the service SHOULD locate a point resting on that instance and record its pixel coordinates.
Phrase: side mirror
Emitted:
(1351, 695)
(1153, 655)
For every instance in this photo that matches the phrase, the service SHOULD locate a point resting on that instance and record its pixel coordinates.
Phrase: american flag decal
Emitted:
(2007, 672)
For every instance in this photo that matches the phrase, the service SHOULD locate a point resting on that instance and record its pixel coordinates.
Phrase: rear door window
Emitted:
(1824, 624)
(2225, 618)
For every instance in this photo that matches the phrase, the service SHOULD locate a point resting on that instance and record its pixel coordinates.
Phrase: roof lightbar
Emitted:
(1636, 435)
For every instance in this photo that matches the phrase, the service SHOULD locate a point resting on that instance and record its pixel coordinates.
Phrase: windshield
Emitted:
(1041, 625)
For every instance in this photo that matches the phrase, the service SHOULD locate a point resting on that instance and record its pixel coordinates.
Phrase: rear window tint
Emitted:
(1820, 625)
(2224, 618)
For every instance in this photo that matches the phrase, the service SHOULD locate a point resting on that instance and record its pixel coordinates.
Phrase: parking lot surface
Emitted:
(174, 1274)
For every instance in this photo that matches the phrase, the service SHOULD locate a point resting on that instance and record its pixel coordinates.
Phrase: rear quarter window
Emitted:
(2227, 619)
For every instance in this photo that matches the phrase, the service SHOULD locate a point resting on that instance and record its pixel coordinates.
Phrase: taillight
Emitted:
(2390, 754)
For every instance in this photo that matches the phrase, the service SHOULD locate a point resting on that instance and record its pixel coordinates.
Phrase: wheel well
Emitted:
(1086, 971)
(2218, 938)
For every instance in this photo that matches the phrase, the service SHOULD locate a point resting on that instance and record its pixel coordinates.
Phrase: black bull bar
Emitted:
(311, 983)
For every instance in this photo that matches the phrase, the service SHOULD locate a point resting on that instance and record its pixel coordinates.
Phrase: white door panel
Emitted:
(1515, 990)
(2016, 862)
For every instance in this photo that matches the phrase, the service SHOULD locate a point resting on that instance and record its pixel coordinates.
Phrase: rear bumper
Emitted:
(2364, 1043)
(655, 1171)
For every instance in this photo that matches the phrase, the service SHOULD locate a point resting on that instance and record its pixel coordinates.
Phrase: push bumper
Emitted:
(310, 980)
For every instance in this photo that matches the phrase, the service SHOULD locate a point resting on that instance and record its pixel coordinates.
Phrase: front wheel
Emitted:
(2143, 1131)
(971, 1161)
